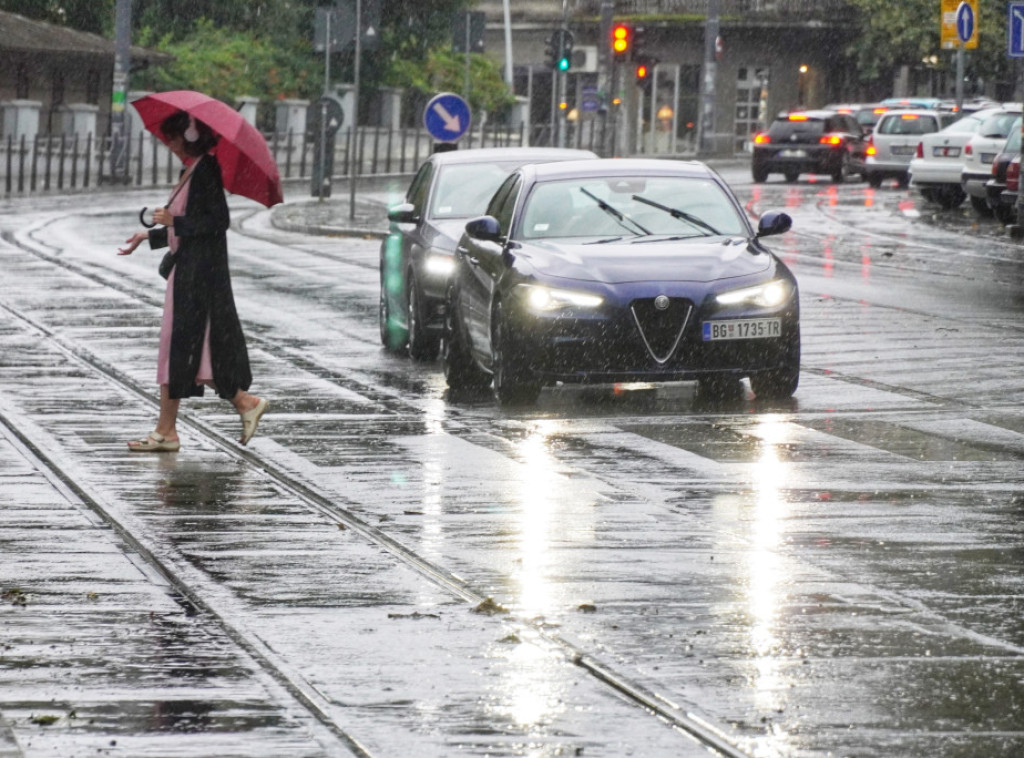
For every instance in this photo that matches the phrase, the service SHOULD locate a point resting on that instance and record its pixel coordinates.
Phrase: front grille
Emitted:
(661, 330)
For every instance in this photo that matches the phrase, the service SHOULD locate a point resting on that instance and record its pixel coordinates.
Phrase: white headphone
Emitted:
(191, 134)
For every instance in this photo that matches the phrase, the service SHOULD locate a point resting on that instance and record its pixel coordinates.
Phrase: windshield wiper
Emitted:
(615, 213)
(681, 215)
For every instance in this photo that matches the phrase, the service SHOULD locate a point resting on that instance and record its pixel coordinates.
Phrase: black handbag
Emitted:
(166, 264)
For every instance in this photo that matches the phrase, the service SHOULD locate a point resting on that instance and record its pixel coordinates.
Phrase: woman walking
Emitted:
(201, 339)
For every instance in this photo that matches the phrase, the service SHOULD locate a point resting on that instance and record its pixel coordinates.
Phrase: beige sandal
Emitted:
(251, 419)
(154, 443)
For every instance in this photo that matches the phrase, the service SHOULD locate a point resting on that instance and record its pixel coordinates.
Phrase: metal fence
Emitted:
(61, 163)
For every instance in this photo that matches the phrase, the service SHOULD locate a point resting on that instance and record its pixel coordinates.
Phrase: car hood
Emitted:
(652, 261)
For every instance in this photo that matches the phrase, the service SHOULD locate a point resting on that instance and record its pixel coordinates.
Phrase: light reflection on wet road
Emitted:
(839, 575)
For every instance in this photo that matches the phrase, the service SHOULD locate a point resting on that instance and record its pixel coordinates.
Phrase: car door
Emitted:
(855, 140)
(481, 266)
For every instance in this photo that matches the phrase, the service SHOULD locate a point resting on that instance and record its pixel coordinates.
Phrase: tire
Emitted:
(792, 176)
(719, 388)
(981, 206)
(1006, 214)
(760, 174)
(513, 383)
(779, 383)
(392, 336)
(903, 181)
(422, 345)
(460, 370)
(874, 181)
(950, 197)
(842, 171)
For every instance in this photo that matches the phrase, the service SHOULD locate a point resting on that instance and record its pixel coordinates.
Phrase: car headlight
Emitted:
(767, 295)
(540, 298)
(439, 264)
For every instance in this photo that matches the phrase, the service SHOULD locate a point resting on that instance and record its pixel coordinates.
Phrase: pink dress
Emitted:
(163, 358)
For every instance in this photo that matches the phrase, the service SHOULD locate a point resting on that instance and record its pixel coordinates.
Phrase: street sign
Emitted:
(1015, 30)
(446, 117)
(959, 30)
(964, 22)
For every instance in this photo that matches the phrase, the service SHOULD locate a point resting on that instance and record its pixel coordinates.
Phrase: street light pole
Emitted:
(119, 96)
(353, 172)
(707, 112)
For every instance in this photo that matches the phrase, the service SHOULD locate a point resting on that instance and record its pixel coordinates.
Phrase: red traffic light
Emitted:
(622, 39)
(642, 71)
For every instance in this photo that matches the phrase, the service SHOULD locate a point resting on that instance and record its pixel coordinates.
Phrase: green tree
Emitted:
(96, 16)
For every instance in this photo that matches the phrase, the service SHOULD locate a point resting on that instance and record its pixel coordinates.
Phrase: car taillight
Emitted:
(967, 149)
(920, 150)
(762, 139)
(1013, 176)
(871, 149)
(831, 139)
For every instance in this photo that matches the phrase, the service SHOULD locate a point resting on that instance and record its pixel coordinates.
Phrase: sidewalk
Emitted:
(332, 217)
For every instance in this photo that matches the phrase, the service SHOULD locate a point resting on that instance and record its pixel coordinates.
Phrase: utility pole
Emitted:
(119, 97)
(706, 137)
(606, 68)
(353, 169)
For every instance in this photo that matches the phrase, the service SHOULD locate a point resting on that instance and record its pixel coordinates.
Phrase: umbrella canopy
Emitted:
(245, 161)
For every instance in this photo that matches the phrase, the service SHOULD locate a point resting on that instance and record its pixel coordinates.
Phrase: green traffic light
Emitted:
(563, 64)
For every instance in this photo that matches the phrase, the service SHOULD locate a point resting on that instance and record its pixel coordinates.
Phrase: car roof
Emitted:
(618, 167)
(813, 115)
(525, 154)
(901, 112)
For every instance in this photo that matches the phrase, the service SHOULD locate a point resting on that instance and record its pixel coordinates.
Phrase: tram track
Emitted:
(195, 587)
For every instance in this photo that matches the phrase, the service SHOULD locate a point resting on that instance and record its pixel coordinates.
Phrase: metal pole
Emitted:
(355, 115)
(605, 71)
(708, 89)
(465, 83)
(323, 109)
(508, 44)
(119, 96)
(960, 77)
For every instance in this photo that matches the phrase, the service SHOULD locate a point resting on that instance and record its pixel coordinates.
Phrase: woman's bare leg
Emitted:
(167, 423)
(243, 401)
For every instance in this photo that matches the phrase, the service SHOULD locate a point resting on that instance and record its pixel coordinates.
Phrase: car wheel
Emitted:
(874, 181)
(760, 174)
(1006, 214)
(514, 384)
(719, 388)
(949, 198)
(842, 171)
(392, 336)
(903, 181)
(981, 206)
(779, 383)
(460, 370)
(792, 176)
(422, 345)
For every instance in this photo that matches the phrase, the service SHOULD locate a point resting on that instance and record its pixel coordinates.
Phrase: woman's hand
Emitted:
(163, 217)
(133, 242)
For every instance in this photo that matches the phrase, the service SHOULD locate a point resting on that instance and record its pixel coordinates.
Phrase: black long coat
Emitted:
(202, 287)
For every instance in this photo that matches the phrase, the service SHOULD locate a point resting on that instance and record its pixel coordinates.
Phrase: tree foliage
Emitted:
(96, 16)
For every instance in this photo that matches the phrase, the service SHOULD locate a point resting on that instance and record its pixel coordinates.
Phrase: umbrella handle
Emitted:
(143, 220)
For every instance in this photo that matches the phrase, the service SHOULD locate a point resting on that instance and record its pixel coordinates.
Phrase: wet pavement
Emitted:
(836, 576)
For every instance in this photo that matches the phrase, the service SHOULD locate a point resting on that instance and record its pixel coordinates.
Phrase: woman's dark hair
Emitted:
(177, 124)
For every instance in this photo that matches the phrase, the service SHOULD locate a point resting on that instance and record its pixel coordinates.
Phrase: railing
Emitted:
(62, 163)
(754, 10)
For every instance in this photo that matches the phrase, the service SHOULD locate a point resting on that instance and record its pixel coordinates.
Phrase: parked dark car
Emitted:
(809, 142)
(1003, 203)
(416, 257)
(1008, 198)
(619, 271)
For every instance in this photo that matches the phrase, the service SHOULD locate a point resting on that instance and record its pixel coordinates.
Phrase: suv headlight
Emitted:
(540, 298)
(768, 295)
(440, 264)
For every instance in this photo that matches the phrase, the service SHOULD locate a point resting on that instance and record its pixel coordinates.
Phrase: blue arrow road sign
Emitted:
(965, 22)
(1015, 30)
(446, 117)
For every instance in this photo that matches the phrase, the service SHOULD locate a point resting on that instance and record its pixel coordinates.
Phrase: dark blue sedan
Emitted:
(620, 271)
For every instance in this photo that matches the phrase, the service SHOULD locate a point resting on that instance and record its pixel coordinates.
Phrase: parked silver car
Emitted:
(894, 143)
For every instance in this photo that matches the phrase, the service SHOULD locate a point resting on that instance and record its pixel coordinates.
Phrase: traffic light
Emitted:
(622, 41)
(645, 72)
(565, 54)
(551, 49)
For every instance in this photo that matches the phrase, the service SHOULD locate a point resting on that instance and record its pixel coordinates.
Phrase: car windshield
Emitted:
(965, 125)
(1014, 140)
(463, 189)
(784, 127)
(628, 206)
(998, 125)
(907, 123)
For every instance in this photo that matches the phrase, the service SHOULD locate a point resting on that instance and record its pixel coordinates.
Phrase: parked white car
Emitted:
(936, 170)
(981, 150)
(894, 143)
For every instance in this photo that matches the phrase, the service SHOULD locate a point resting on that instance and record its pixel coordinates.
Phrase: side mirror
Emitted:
(403, 213)
(773, 222)
(484, 228)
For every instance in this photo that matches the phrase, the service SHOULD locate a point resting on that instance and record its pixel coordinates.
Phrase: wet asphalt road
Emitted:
(840, 575)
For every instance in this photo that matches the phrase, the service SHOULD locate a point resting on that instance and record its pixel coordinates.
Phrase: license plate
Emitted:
(792, 153)
(946, 152)
(903, 149)
(742, 329)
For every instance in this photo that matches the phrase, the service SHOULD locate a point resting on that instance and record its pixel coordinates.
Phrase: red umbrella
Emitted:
(244, 157)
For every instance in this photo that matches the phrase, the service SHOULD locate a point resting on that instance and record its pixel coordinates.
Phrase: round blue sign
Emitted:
(446, 117)
(964, 22)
